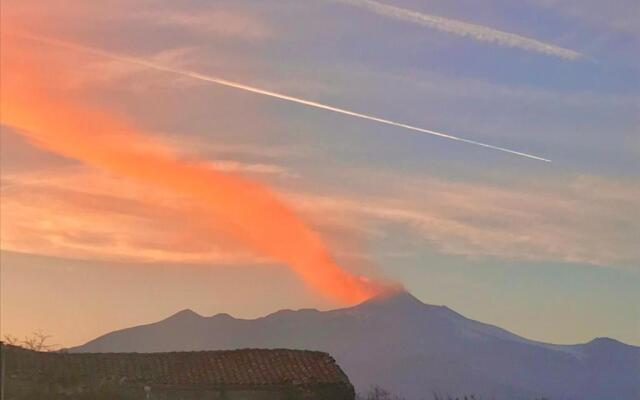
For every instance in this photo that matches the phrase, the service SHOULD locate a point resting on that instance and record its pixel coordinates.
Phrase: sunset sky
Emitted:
(129, 193)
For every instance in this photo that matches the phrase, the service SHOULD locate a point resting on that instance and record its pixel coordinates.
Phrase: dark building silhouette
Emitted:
(248, 374)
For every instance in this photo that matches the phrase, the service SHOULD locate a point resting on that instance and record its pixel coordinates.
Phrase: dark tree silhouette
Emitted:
(37, 341)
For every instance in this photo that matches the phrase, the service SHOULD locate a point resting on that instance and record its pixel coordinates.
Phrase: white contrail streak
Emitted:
(252, 89)
(464, 29)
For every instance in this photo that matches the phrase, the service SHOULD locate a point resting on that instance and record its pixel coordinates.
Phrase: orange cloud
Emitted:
(245, 210)
(80, 213)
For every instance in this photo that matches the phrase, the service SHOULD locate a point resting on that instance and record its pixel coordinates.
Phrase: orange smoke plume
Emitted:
(246, 210)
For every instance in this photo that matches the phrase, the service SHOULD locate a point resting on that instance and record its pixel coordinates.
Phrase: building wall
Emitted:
(253, 395)
(25, 390)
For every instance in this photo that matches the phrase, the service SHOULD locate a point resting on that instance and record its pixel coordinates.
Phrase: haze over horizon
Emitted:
(114, 175)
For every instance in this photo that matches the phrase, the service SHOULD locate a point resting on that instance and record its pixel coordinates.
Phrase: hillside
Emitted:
(408, 347)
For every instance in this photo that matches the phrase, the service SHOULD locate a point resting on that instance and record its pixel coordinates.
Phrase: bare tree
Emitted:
(378, 393)
(12, 340)
(37, 341)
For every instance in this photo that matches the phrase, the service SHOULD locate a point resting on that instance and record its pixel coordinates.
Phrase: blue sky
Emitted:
(548, 251)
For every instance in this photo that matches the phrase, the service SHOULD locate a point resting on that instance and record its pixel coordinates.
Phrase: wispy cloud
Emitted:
(585, 219)
(460, 28)
(51, 216)
(217, 22)
(258, 168)
(207, 19)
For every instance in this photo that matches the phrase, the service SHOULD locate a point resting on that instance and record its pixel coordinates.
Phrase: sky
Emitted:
(131, 188)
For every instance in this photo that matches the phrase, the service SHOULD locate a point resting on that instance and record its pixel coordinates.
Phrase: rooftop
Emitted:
(233, 368)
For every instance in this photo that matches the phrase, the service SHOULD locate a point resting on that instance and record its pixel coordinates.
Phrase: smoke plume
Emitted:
(246, 210)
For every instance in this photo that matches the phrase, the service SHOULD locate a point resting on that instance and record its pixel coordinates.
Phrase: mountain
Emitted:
(408, 347)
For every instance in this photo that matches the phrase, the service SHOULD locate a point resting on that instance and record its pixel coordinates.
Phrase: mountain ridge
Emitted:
(408, 347)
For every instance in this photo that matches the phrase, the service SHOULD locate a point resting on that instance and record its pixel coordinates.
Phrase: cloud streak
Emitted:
(109, 220)
(581, 219)
(464, 29)
(222, 23)
(268, 93)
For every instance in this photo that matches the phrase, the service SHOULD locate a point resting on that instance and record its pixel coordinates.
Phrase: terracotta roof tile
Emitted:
(246, 367)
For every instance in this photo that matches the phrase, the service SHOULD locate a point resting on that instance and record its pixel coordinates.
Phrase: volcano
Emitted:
(407, 347)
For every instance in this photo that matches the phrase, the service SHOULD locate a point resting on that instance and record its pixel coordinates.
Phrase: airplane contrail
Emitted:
(465, 29)
(253, 89)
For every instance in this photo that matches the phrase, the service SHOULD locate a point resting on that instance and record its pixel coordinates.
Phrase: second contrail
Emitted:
(252, 89)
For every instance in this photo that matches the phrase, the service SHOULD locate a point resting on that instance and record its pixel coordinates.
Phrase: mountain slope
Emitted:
(408, 347)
